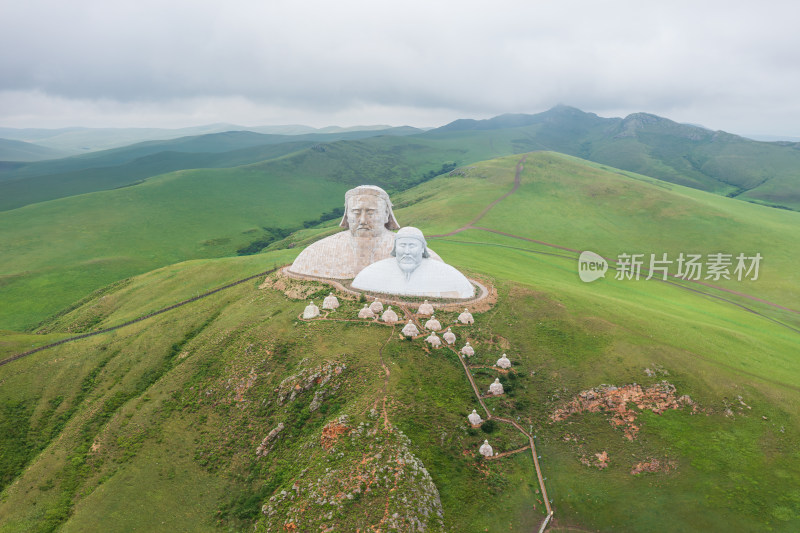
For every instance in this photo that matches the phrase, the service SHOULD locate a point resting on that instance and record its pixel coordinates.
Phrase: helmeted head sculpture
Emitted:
(410, 270)
(367, 211)
(409, 249)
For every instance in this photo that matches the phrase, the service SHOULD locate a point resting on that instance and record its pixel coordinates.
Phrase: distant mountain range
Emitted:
(715, 161)
(73, 141)
(13, 150)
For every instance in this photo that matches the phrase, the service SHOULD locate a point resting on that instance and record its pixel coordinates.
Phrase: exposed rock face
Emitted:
(468, 350)
(266, 444)
(410, 329)
(330, 302)
(393, 489)
(615, 401)
(311, 311)
(466, 317)
(449, 337)
(332, 432)
(308, 378)
(496, 388)
(433, 324)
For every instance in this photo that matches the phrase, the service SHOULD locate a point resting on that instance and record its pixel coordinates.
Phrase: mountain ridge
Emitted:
(233, 413)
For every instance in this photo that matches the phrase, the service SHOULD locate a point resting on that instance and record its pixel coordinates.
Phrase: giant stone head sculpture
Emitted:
(368, 212)
(409, 249)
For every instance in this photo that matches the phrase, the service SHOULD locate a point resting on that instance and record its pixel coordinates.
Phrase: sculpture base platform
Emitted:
(485, 297)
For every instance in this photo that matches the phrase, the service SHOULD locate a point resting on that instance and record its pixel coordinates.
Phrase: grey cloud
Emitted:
(470, 57)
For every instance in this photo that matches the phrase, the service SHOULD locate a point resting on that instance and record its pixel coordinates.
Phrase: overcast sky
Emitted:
(731, 65)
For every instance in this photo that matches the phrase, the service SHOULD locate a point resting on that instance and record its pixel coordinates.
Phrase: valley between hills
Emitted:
(655, 404)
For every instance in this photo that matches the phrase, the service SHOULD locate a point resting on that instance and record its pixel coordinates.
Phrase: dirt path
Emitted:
(515, 187)
(531, 444)
(470, 224)
(139, 319)
(506, 454)
(386, 424)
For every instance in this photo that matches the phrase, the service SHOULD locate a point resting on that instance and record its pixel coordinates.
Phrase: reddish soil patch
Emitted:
(653, 465)
(617, 401)
(331, 434)
(600, 462)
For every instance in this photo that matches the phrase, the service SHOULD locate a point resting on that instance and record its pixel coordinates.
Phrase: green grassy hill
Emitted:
(761, 172)
(729, 165)
(24, 184)
(157, 425)
(71, 246)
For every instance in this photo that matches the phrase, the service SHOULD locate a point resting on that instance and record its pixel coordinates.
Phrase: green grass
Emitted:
(573, 337)
(590, 207)
(68, 247)
(158, 400)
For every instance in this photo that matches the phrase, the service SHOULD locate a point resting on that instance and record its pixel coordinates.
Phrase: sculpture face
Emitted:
(366, 215)
(408, 252)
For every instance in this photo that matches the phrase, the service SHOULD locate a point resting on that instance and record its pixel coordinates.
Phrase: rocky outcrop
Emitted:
(267, 444)
(369, 476)
(319, 377)
(615, 401)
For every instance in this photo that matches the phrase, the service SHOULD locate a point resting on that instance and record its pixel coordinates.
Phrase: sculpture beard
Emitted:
(409, 253)
(408, 264)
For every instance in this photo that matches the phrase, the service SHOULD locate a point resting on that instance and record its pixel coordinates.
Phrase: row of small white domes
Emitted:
(410, 330)
(389, 316)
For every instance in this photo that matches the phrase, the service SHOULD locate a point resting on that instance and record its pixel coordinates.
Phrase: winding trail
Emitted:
(471, 224)
(135, 320)
(517, 181)
(386, 424)
(531, 444)
(408, 315)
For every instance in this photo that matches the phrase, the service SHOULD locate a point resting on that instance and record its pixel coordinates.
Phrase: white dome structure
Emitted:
(433, 324)
(503, 362)
(410, 329)
(466, 317)
(311, 311)
(486, 450)
(496, 388)
(475, 419)
(376, 306)
(449, 336)
(389, 316)
(366, 312)
(433, 340)
(330, 302)
(425, 309)
(467, 350)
